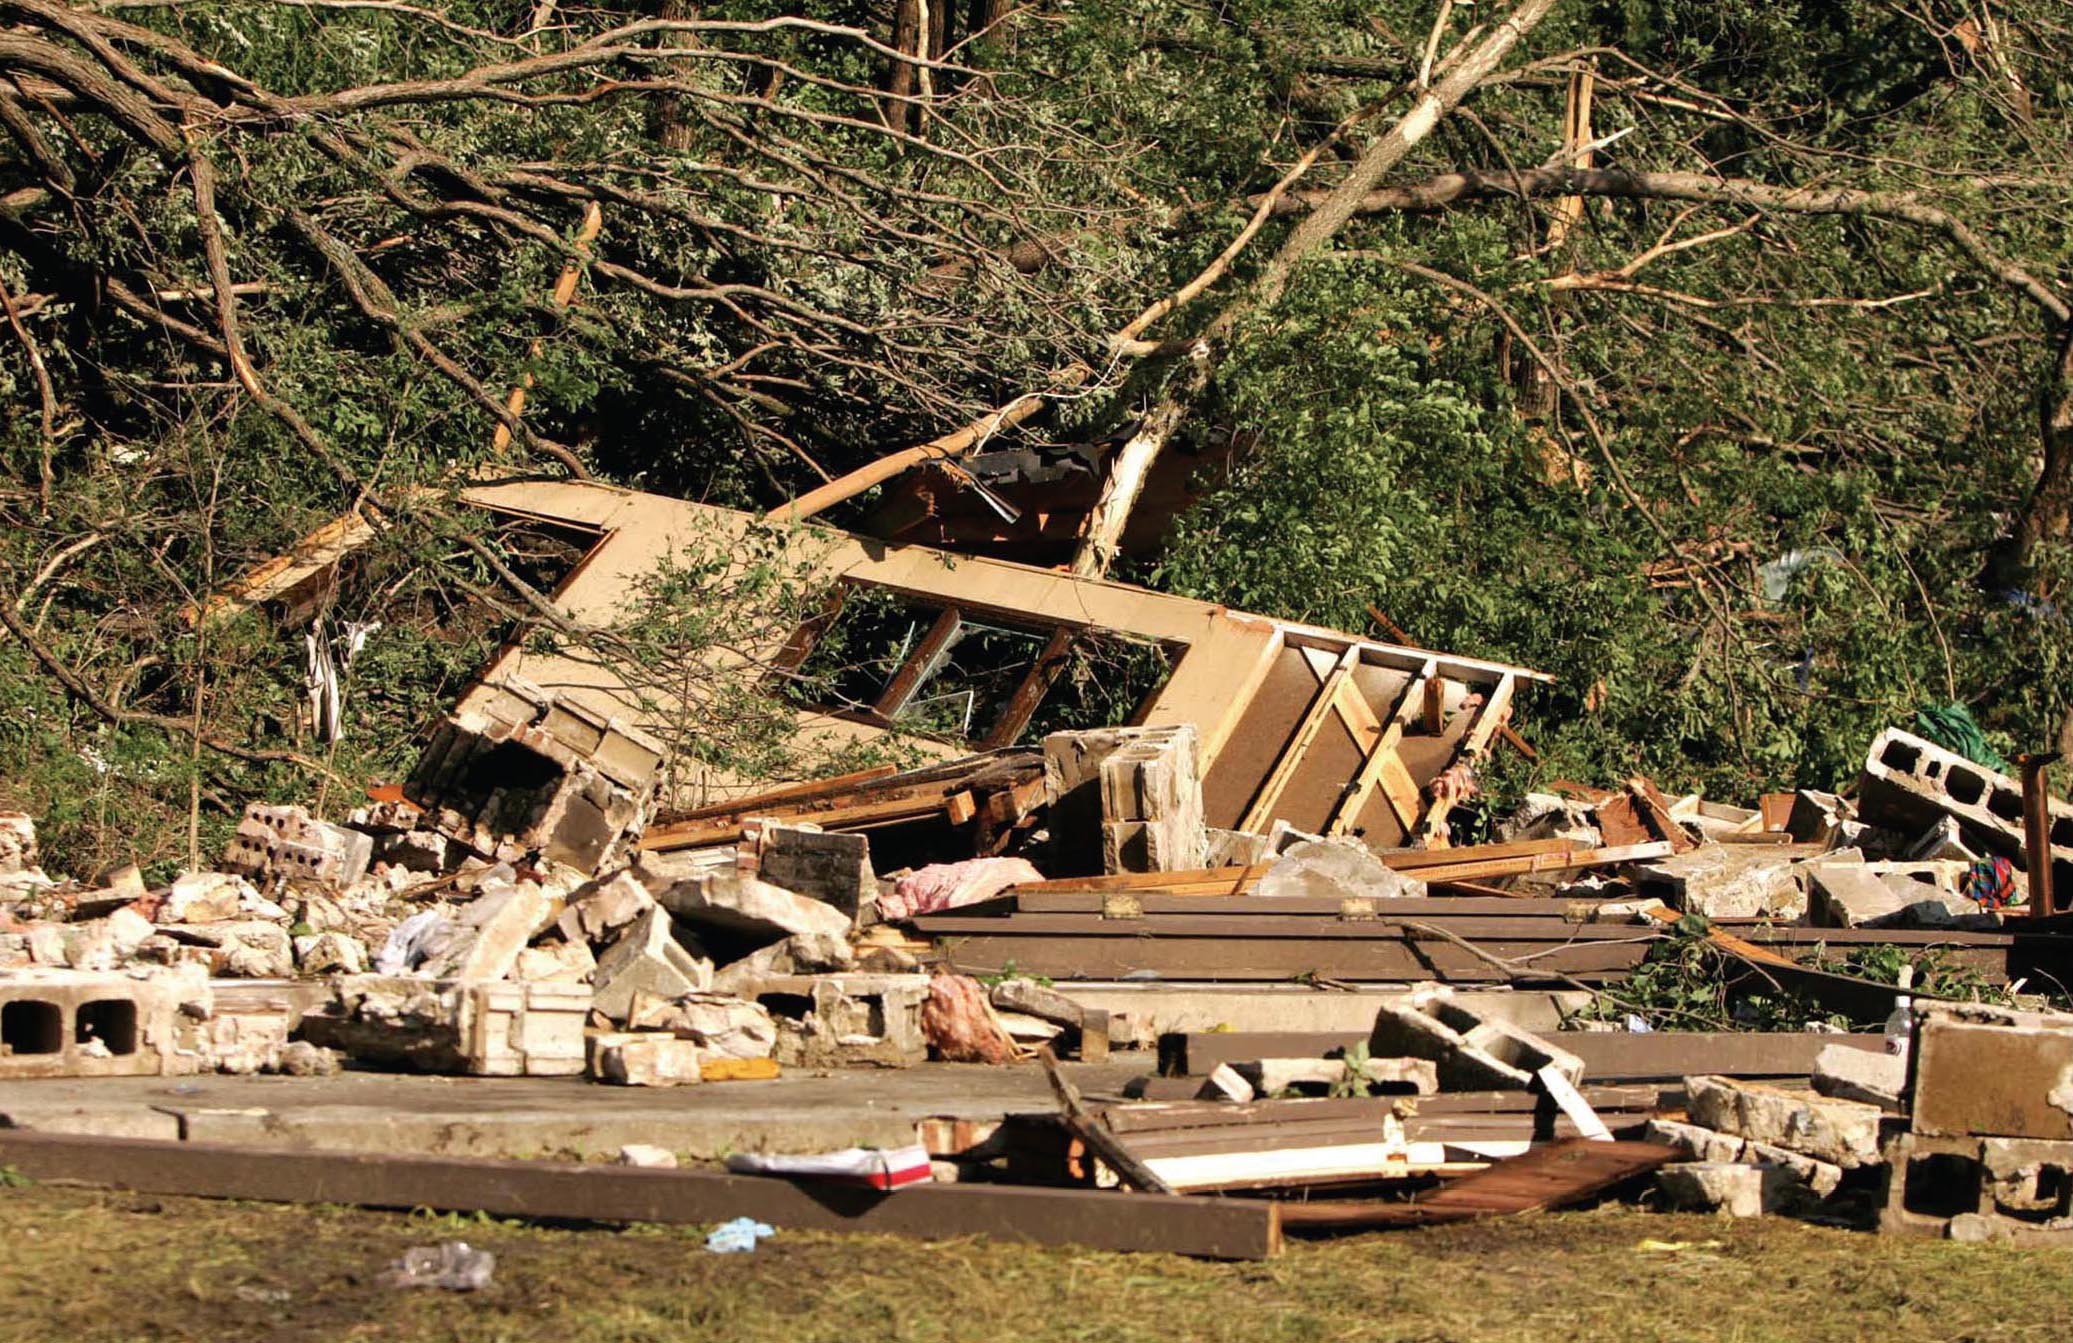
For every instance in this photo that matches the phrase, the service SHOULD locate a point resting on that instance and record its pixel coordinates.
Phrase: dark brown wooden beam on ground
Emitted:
(1553, 1176)
(1204, 1227)
(1608, 1056)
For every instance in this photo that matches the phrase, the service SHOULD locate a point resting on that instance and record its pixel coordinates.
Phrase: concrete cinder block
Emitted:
(1135, 792)
(1474, 1052)
(832, 868)
(1910, 784)
(647, 958)
(851, 1020)
(241, 948)
(1840, 1132)
(518, 770)
(1993, 1071)
(289, 844)
(71, 1023)
(805, 954)
(2016, 1190)
(483, 1028)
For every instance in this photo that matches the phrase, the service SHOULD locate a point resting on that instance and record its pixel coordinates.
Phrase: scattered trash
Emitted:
(738, 1236)
(454, 1266)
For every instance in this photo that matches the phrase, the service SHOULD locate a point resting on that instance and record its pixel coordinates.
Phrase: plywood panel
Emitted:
(1256, 743)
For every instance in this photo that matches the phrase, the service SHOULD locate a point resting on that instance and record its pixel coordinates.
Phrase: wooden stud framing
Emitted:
(1381, 755)
(1475, 744)
(1322, 706)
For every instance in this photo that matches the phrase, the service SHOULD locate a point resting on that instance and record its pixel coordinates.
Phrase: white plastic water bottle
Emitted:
(1900, 1026)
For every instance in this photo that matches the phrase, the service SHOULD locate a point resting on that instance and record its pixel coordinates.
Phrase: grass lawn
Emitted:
(84, 1265)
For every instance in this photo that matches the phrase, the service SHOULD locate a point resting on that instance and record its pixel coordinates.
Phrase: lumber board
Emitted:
(1265, 924)
(1387, 960)
(1551, 1176)
(1608, 1056)
(1206, 1228)
(791, 794)
(1436, 908)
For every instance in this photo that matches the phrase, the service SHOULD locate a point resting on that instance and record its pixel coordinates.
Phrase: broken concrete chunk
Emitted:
(597, 911)
(1839, 1132)
(1026, 995)
(748, 910)
(1474, 1052)
(647, 958)
(490, 932)
(807, 954)
(1729, 881)
(1725, 1187)
(106, 944)
(1943, 841)
(204, 897)
(1330, 869)
(17, 843)
(1851, 1074)
(569, 962)
(645, 1059)
(1820, 1178)
(723, 1027)
(1547, 816)
(646, 1154)
(1893, 895)
(1224, 1084)
(289, 844)
(485, 1028)
(330, 954)
(1815, 815)
(240, 949)
(1704, 1144)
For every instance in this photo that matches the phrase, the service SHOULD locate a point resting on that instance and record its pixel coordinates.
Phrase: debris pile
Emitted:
(1358, 1021)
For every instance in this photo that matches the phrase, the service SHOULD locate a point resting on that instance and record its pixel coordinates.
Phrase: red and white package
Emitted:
(872, 1167)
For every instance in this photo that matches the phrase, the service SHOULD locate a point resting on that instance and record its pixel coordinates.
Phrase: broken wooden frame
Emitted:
(1327, 731)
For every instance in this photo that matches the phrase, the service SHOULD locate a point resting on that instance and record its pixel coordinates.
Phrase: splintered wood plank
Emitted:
(1382, 768)
(1322, 705)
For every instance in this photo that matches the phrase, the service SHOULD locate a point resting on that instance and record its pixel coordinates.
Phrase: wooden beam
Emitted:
(1098, 1219)
(1322, 707)
(920, 664)
(1380, 753)
(1023, 703)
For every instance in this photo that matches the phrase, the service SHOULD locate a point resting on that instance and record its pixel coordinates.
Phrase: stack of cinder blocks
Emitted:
(1146, 784)
(1911, 785)
(287, 842)
(520, 770)
(1989, 1155)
